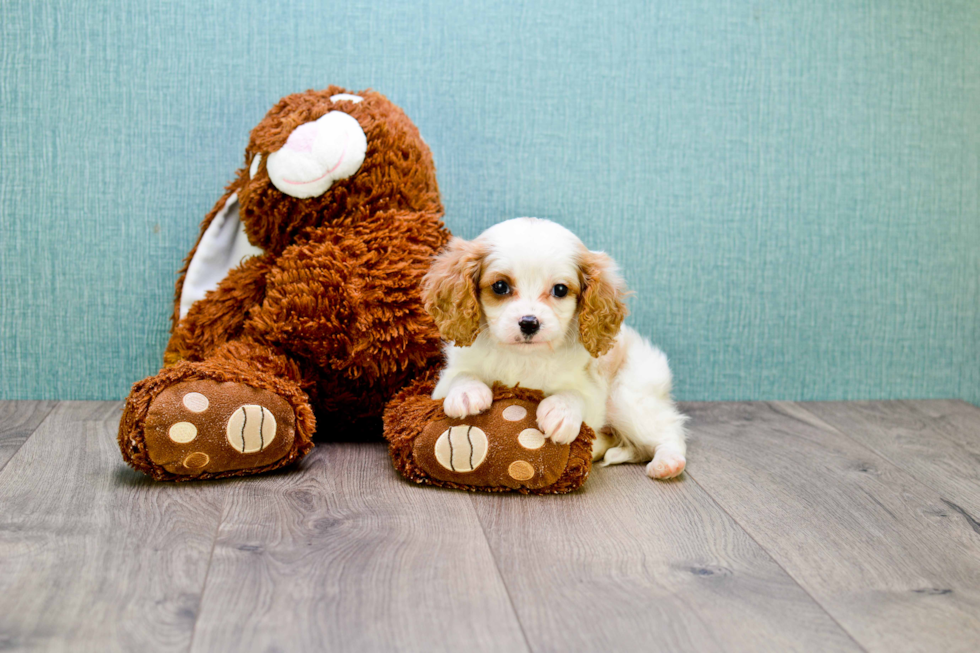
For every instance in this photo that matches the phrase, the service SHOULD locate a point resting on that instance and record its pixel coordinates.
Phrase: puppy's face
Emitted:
(530, 285)
(529, 299)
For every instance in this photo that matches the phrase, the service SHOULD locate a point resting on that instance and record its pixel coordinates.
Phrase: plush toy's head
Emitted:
(324, 156)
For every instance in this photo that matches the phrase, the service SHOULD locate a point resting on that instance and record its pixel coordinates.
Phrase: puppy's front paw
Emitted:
(468, 398)
(667, 463)
(560, 417)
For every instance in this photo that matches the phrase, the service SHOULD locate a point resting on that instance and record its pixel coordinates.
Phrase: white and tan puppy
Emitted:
(527, 303)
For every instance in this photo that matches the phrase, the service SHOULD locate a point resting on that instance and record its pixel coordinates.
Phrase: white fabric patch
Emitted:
(254, 168)
(196, 402)
(182, 432)
(317, 154)
(514, 413)
(346, 96)
(531, 439)
(223, 247)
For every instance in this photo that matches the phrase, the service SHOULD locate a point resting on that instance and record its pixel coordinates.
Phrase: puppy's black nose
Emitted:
(529, 325)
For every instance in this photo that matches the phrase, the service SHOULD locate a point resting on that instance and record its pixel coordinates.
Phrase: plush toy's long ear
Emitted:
(450, 291)
(222, 246)
(602, 308)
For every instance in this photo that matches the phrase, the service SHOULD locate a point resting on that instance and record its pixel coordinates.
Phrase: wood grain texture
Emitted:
(18, 419)
(93, 556)
(914, 441)
(881, 552)
(344, 555)
(629, 563)
(955, 420)
(797, 527)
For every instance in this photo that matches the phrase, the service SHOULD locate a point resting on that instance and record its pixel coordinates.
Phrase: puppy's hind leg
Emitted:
(642, 413)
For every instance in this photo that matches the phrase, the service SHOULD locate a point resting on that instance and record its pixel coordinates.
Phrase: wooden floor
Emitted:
(821, 527)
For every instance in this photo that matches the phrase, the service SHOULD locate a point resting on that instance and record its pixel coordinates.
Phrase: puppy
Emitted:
(527, 303)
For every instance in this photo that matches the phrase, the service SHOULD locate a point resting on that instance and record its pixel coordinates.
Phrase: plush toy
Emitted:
(302, 297)
(498, 450)
(301, 294)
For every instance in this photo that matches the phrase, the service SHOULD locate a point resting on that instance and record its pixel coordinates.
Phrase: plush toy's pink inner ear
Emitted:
(223, 246)
(317, 154)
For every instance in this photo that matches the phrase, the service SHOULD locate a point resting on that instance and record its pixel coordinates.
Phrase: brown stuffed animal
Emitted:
(301, 293)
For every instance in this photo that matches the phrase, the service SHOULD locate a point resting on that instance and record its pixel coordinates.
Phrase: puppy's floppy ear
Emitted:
(602, 306)
(450, 291)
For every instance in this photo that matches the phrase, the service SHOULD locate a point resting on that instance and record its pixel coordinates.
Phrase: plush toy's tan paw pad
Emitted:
(501, 447)
(205, 426)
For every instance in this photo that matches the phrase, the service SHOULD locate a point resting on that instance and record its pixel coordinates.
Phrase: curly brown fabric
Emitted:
(329, 318)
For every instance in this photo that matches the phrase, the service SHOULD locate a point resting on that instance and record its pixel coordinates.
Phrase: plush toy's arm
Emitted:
(221, 315)
(348, 296)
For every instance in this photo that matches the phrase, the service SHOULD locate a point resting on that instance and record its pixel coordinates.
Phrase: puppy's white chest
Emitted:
(548, 373)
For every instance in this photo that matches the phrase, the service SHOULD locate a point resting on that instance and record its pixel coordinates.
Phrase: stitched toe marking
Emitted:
(196, 460)
(196, 402)
(251, 428)
(182, 432)
(514, 413)
(462, 448)
(520, 470)
(531, 439)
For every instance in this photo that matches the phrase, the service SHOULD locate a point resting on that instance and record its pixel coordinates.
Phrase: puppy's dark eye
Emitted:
(560, 290)
(500, 287)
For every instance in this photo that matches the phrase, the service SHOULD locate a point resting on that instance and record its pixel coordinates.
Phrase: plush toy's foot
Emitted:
(205, 427)
(499, 447)
(497, 450)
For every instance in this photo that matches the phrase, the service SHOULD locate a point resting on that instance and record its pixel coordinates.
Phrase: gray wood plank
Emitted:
(93, 556)
(629, 563)
(955, 419)
(913, 441)
(876, 548)
(344, 555)
(18, 419)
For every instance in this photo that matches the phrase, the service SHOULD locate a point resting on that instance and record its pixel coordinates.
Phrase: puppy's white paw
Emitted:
(560, 417)
(667, 463)
(468, 398)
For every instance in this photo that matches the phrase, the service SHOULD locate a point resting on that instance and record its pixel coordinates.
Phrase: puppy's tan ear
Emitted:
(450, 291)
(602, 306)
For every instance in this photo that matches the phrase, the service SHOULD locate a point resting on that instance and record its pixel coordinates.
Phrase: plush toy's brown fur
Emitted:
(329, 317)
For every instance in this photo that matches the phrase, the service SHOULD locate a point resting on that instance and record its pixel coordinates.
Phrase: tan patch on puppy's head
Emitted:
(450, 291)
(601, 308)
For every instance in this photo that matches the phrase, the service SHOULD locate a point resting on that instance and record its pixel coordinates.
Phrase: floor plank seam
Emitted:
(503, 581)
(777, 563)
(207, 572)
(20, 447)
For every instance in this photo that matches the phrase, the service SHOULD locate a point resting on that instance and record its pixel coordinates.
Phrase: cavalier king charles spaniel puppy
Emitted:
(527, 303)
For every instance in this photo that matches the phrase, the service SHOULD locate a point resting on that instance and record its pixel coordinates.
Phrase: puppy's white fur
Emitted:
(590, 368)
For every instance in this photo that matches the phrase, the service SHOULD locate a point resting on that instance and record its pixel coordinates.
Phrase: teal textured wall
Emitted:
(792, 188)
